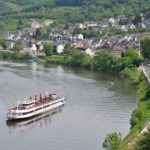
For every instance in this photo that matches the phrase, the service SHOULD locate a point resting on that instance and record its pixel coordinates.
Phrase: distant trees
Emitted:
(48, 49)
(145, 47)
(112, 141)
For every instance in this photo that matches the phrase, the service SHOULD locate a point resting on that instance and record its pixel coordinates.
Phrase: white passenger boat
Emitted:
(30, 108)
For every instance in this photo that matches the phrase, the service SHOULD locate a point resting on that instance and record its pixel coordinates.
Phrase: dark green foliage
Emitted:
(143, 86)
(137, 19)
(112, 141)
(17, 47)
(144, 142)
(105, 61)
(134, 56)
(65, 11)
(8, 55)
(79, 59)
(136, 117)
(145, 46)
(56, 59)
(126, 62)
(48, 49)
(41, 33)
(3, 43)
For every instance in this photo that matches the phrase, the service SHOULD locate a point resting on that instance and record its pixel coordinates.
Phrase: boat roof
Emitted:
(27, 102)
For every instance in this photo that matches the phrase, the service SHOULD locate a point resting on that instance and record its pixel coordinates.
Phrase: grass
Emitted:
(57, 59)
(143, 106)
(14, 55)
(131, 73)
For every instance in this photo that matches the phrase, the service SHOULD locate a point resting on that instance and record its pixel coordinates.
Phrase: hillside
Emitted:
(95, 9)
(69, 10)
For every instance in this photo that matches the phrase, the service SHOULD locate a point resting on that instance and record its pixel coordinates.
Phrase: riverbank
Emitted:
(15, 56)
(141, 115)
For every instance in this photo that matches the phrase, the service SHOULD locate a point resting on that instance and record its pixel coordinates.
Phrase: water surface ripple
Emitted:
(96, 104)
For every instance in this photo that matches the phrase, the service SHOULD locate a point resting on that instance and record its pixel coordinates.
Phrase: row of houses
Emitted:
(63, 36)
(91, 45)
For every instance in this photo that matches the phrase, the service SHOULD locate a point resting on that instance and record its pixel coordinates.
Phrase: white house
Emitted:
(48, 22)
(112, 21)
(132, 26)
(124, 28)
(60, 49)
(80, 37)
(82, 26)
(34, 48)
(35, 25)
(89, 52)
(9, 44)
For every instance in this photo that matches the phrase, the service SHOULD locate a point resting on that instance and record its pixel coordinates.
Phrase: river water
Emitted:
(96, 104)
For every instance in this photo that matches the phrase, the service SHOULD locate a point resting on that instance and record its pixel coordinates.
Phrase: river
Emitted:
(96, 104)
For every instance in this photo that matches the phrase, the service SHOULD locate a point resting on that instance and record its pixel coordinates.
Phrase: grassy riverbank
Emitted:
(15, 55)
(141, 115)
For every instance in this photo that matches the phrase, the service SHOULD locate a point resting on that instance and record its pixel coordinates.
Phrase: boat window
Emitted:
(28, 112)
(14, 114)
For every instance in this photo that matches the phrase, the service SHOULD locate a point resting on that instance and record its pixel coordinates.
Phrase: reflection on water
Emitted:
(38, 121)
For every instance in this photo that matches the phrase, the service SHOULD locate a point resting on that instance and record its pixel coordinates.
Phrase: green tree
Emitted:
(48, 49)
(126, 62)
(136, 116)
(17, 47)
(145, 47)
(134, 56)
(79, 59)
(3, 43)
(112, 141)
(104, 60)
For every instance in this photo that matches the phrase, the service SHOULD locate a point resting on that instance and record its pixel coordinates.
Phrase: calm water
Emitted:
(96, 104)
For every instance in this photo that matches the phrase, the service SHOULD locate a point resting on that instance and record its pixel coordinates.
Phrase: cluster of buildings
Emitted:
(63, 37)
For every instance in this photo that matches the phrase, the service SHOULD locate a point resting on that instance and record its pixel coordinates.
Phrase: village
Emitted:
(69, 37)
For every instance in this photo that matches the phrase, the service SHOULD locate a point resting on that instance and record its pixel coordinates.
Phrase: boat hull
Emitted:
(25, 114)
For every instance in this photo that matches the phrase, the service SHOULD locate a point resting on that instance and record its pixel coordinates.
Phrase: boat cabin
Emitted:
(27, 104)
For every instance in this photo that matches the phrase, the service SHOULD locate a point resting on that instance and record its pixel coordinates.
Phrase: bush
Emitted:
(48, 49)
(112, 141)
(55, 59)
(134, 56)
(136, 116)
(79, 59)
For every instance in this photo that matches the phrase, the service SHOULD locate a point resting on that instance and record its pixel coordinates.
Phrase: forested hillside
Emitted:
(70, 10)
(92, 8)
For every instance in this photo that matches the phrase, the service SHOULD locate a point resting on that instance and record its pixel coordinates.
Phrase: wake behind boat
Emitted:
(30, 108)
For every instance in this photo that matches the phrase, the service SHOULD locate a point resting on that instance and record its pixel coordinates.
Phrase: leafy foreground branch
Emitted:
(112, 141)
